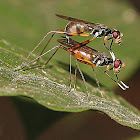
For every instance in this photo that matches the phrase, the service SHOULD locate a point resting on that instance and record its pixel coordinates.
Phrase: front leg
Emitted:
(106, 39)
(125, 86)
(122, 85)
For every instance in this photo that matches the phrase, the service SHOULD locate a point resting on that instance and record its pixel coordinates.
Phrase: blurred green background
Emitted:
(24, 23)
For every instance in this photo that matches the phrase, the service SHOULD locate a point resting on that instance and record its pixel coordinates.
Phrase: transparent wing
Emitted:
(75, 19)
(64, 42)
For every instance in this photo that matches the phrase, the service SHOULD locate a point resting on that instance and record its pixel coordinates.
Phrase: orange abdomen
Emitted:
(83, 56)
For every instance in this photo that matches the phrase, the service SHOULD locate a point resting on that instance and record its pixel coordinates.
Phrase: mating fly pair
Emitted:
(83, 53)
(78, 27)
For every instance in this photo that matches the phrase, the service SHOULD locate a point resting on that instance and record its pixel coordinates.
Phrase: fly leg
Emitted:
(77, 65)
(68, 40)
(75, 75)
(106, 39)
(45, 48)
(83, 78)
(58, 32)
(21, 67)
(46, 44)
(50, 57)
(122, 85)
(97, 82)
(70, 68)
(68, 50)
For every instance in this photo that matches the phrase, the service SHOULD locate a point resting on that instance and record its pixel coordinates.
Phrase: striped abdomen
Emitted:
(91, 57)
(85, 54)
(77, 27)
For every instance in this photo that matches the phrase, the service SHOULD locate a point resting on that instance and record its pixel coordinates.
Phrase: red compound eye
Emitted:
(117, 63)
(116, 34)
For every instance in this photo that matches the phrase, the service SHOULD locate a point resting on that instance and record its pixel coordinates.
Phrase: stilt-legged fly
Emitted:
(89, 56)
(78, 27)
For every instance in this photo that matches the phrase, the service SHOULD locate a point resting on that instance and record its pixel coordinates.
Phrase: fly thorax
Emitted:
(98, 32)
(108, 61)
(104, 32)
(102, 60)
(98, 60)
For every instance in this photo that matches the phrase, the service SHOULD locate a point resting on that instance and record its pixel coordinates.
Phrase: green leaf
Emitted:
(39, 85)
(50, 86)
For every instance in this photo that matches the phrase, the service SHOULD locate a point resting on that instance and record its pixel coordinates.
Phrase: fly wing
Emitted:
(65, 42)
(75, 45)
(75, 20)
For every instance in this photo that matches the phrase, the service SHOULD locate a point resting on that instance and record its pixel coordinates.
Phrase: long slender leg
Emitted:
(70, 68)
(111, 43)
(50, 57)
(46, 45)
(36, 58)
(109, 49)
(106, 46)
(122, 82)
(75, 75)
(68, 50)
(123, 88)
(97, 81)
(83, 78)
(59, 32)
(70, 59)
